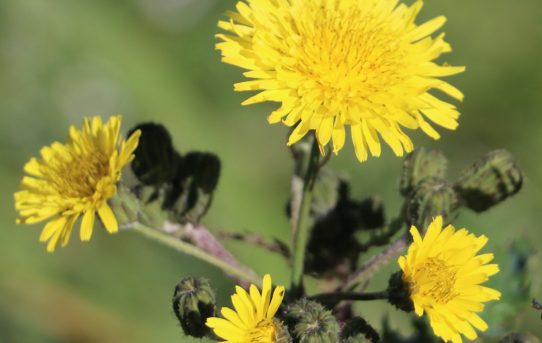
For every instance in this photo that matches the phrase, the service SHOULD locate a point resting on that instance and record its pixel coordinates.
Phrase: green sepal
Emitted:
(193, 302)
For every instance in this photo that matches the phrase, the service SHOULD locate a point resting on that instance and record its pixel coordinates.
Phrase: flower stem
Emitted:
(331, 299)
(302, 227)
(196, 252)
(376, 262)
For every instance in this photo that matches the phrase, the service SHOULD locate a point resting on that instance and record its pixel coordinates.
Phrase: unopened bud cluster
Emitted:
(429, 193)
(169, 185)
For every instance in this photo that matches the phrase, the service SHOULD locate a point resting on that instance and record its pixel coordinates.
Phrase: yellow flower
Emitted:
(330, 64)
(252, 319)
(444, 274)
(75, 179)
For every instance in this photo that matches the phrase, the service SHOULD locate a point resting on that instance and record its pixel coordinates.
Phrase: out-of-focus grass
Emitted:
(154, 60)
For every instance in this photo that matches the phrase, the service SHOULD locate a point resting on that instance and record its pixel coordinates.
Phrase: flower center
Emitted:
(435, 279)
(349, 54)
(81, 175)
(264, 332)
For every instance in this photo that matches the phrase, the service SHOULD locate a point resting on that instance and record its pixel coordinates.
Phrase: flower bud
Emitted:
(204, 169)
(432, 197)
(399, 292)
(156, 161)
(419, 165)
(325, 193)
(310, 322)
(193, 303)
(489, 181)
(195, 182)
(357, 330)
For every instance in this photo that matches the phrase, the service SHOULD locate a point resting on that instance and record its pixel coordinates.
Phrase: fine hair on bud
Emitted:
(194, 302)
(431, 198)
(489, 181)
(421, 164)
(156, 161)
(310, 322)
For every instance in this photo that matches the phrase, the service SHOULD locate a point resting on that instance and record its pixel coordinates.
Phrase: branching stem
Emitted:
(196, 252)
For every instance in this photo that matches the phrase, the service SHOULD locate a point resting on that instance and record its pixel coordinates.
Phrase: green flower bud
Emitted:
(489, 181)
(399, 293)
(195, 185)
(325, 193)
(204, 169)
(419, 165)
(357, 330)
(156, 161)
(182, 185)
(432, 197)
(193, 303)
(520, 338)
(310, 322)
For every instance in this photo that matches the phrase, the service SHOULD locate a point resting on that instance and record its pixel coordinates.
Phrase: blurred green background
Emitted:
(61, 60)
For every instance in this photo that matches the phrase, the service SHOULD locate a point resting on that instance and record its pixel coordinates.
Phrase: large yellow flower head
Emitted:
(252, 320)
(336, 63)
(444, 275)
(75, 179)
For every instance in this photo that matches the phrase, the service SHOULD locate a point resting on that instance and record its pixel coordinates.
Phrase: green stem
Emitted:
(196, 252)
(332, 299)
(301, 233)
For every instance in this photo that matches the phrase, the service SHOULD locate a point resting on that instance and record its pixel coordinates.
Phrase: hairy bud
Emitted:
(196, 183)
(432, 197)
(419, 165)
(489, 181)
(310, 322)
(156, 161)
(193, 303)
(399, 292)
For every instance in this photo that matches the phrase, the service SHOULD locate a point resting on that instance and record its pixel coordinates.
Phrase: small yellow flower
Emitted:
(252, 319)
(75, 179)
(444, 274)
(332, 64)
